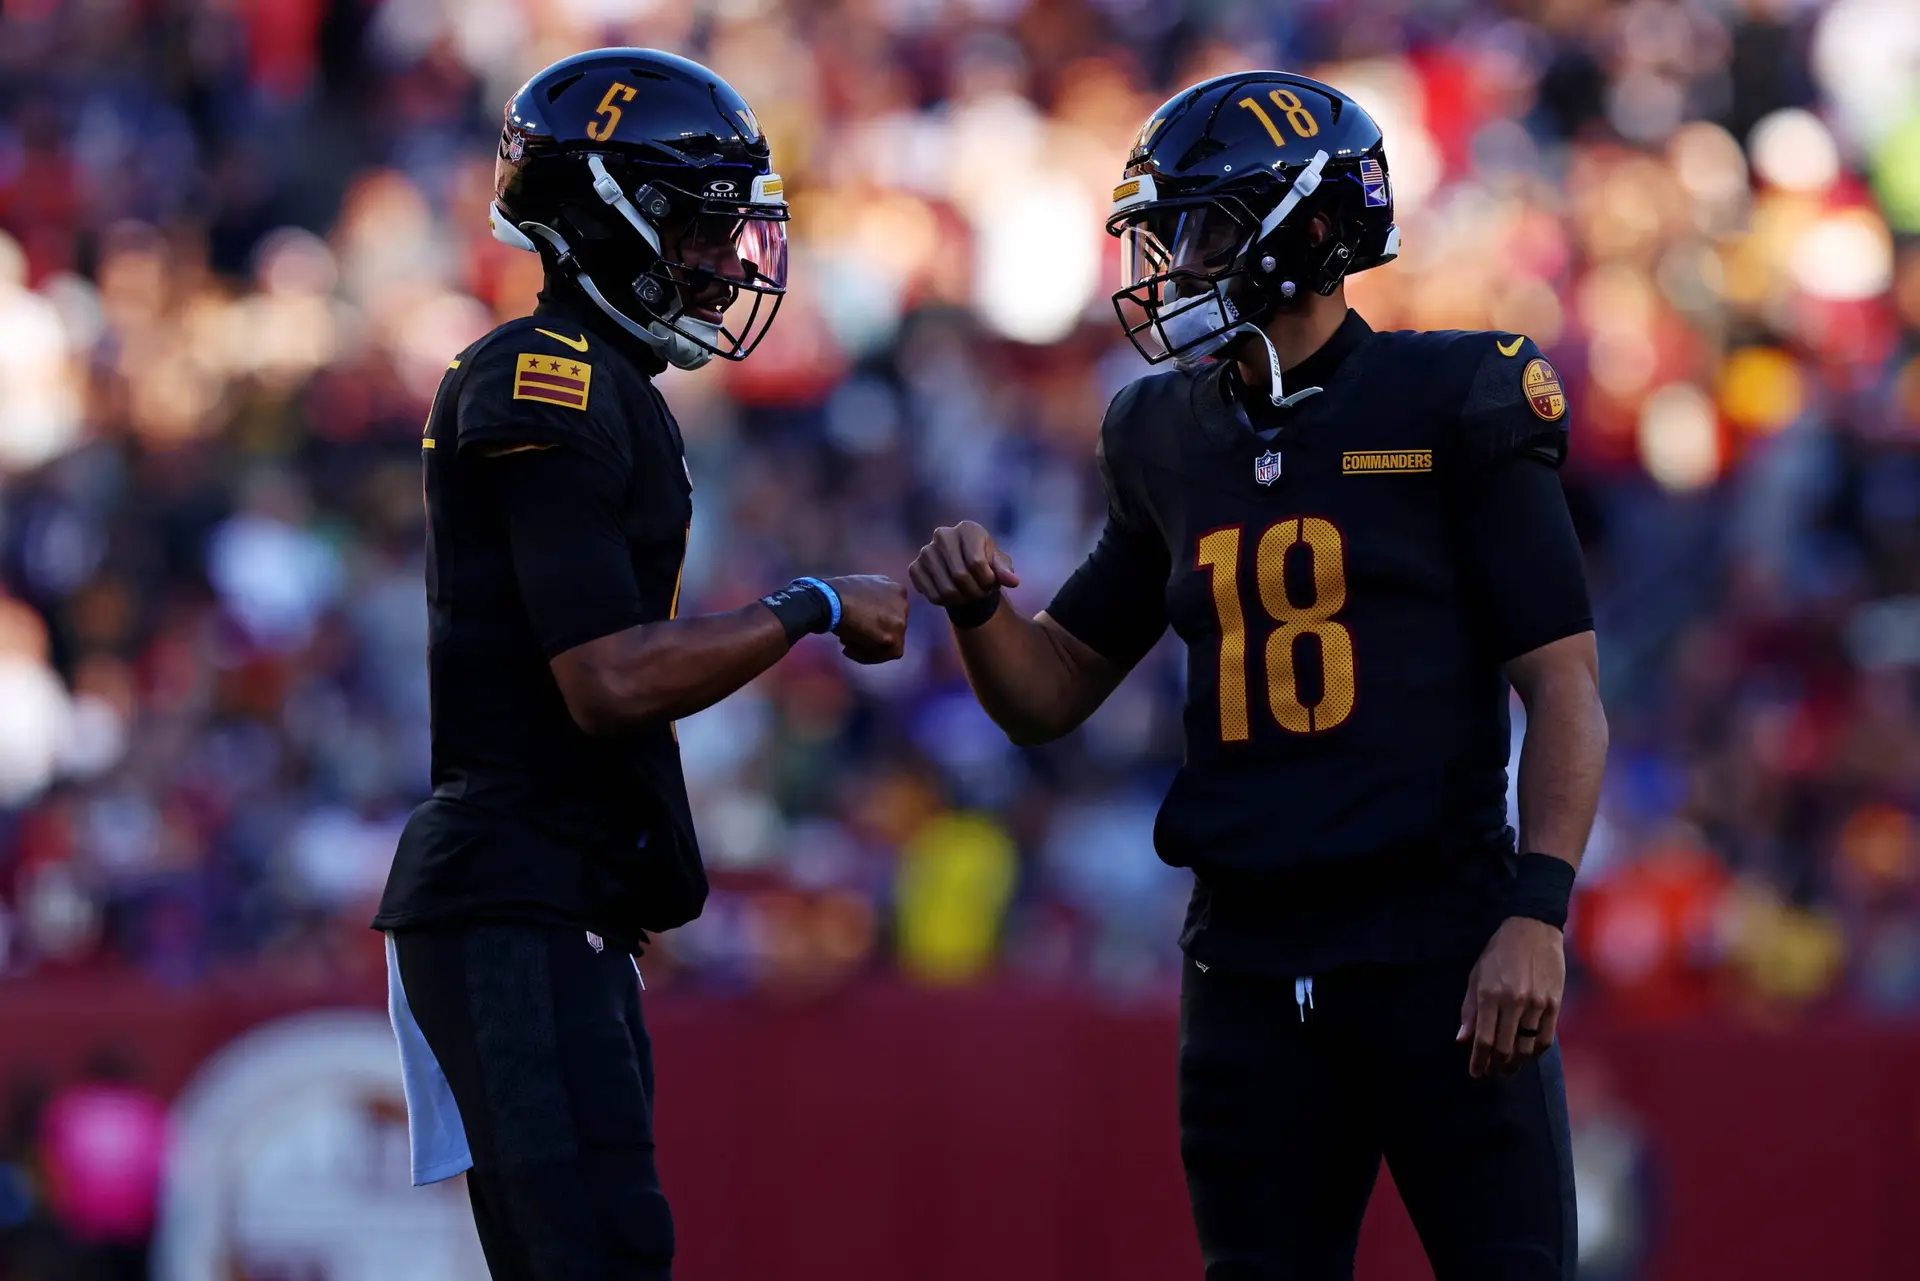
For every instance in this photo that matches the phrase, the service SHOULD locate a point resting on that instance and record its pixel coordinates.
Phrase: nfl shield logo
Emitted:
(516, 147)
(1266, 468)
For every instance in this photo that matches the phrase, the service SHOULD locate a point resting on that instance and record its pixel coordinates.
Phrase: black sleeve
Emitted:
(570, 555)
(1116, 602)
(1523, 556)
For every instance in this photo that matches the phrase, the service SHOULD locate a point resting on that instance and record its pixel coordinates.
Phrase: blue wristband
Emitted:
(833, 599)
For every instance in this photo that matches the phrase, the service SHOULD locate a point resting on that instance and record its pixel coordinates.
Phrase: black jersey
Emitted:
(1342, 574)
(530, 817)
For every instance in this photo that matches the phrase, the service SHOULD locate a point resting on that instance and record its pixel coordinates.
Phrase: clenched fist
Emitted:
(961, 564)
(873, 617)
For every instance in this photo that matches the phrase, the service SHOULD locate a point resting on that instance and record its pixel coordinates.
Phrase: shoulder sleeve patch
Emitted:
(1515, 403)
(551, 380)
(1542, 388)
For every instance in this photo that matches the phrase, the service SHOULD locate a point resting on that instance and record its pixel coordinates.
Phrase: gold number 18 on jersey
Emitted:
(1219, 552)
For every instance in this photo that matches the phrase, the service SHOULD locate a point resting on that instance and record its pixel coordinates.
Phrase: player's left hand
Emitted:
(1513, 996)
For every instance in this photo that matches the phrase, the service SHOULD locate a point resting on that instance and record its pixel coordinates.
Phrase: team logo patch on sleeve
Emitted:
(551, 380)
(1542, 387)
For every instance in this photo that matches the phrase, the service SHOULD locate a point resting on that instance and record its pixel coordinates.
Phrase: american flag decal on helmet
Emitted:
(1373, 181)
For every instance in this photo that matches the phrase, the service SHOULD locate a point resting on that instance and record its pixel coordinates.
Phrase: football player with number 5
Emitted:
(559, 504)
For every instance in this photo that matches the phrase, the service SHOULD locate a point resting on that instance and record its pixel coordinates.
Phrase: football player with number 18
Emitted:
(1362, 538)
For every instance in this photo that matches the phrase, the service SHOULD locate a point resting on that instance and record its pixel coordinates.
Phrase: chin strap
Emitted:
(1305, 183)
(607, 188)
(671, 346)
(1275, 391)
(663, 339)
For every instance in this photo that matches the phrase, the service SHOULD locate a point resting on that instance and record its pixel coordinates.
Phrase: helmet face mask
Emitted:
(1180, 263)
(643, 179)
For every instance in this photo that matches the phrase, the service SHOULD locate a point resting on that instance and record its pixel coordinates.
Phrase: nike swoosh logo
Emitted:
(580, 343)
(1502, 348)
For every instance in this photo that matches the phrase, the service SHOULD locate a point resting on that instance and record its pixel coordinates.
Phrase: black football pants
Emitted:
(1289, 1101)
(541, 1041)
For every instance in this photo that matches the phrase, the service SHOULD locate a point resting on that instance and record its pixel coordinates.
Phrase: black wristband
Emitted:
(974, 613)
(802, 609)
(1542, 888)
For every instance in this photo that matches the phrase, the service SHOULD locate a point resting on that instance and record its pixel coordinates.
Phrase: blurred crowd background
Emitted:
(240, 238)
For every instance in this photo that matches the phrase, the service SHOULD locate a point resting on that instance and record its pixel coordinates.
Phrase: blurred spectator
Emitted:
(955, 877)
(104, 1144)
(40, 406)
(1614, 1173)
(238, 245)
(80, 1173)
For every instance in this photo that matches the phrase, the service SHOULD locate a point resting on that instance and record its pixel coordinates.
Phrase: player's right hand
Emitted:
(873, 617)
(961, 564)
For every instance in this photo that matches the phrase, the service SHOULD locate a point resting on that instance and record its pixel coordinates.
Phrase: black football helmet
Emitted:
(644, 179)
(1214, 206)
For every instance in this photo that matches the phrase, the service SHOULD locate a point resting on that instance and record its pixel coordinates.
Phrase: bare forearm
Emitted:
(665, 671)
(1023, 675)
(1561, 765)
(1033, 677)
